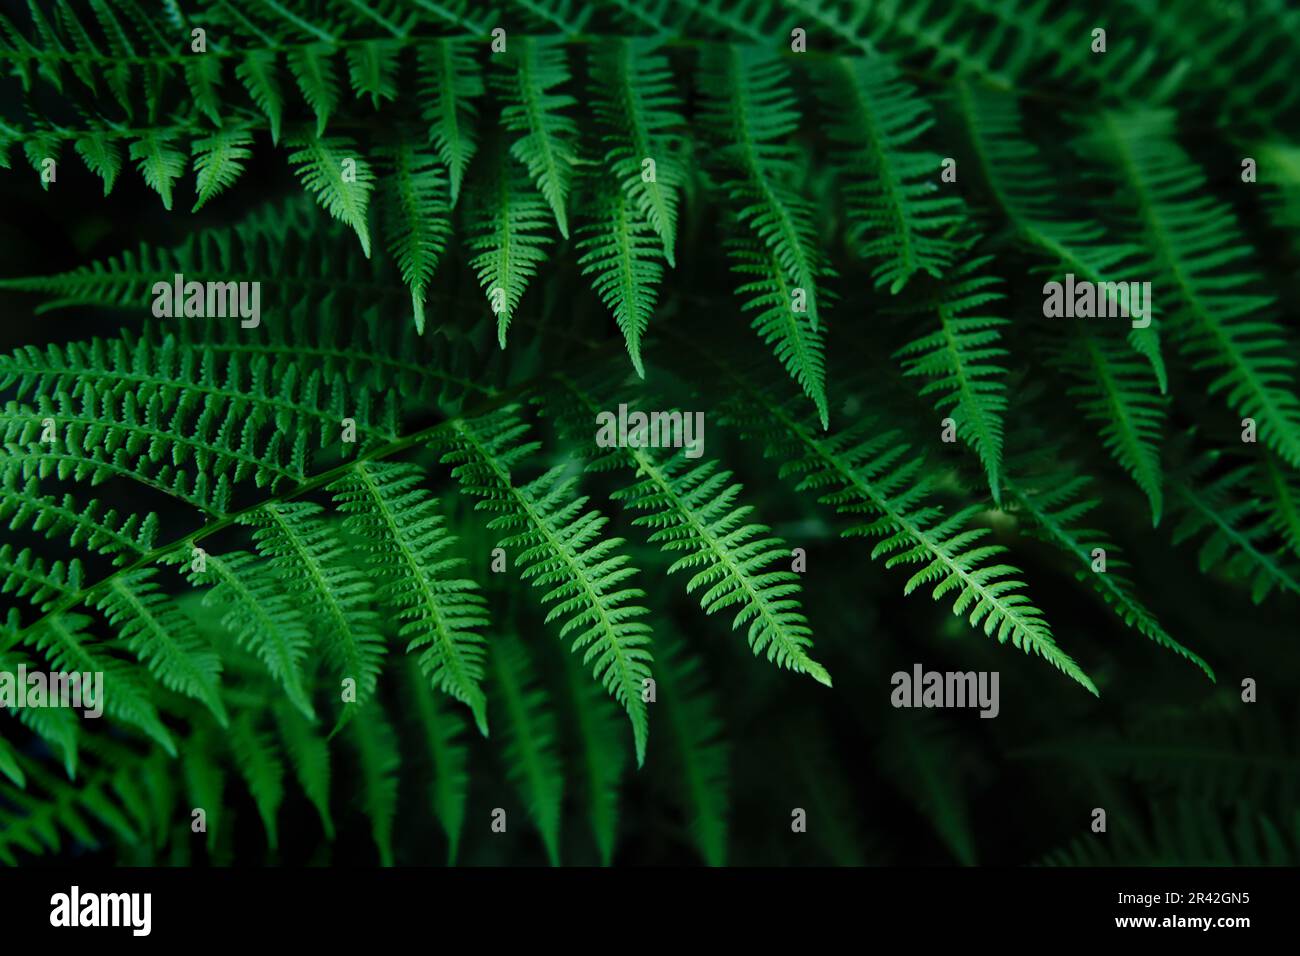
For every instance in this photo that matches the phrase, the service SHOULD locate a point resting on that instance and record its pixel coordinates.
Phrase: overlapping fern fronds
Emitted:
(297, 551)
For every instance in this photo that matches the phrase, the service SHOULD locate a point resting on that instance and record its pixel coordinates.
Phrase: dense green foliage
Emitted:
(365, 559)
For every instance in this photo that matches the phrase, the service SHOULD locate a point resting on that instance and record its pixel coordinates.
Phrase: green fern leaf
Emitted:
(634, 98)
(334, 171)
(559, 547)
(897, 219)
(418, 220)
(545, 142)
(405, 537)
(528, 724)
(620, 253)
(450, 83)
(218, 162)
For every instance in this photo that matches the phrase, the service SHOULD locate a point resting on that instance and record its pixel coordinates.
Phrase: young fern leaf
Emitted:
(159, 163)
(636, 102)
(691, 510)
(218, 161)
(796, 341)
(896, 216)
(1029, 195)
(418, 219)
(340, 179)
(749, 104)
(546, 140)
(313, 68)
(963, 360)
(619, 251)
(406, 541)
(311, 562)
(256, 610)
(1221, 319)
(698, 752)
(508, 238)
(560, 548)
(528, 725)
(443, 730)
(867, 471)
(449, 85)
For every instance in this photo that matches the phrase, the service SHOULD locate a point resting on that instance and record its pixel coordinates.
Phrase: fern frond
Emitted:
(405, 541)
(1116, 391)
(603, 757)
(378, 759)
(528, 725)
(313, 68)
(1026, 190)
(790, 332)
(560, 548)
(255, 609)
(545, 142)
(372, 67)
(259, 74)
(619, 251)
(310, 560)
(508, 239)
(749, 105)
(418, 219)
(310, 758)
(342, 190)
(1222, 321)
(218, 162)
(636, 101)
(259, 763)
(159, 163)
(691, 509)
(866, 470)
(964, 362)
(448, 755)
(1056, 502)
(156, 631)
(1236, 530)
(897, 218)
(450, 83)
(699, 754)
